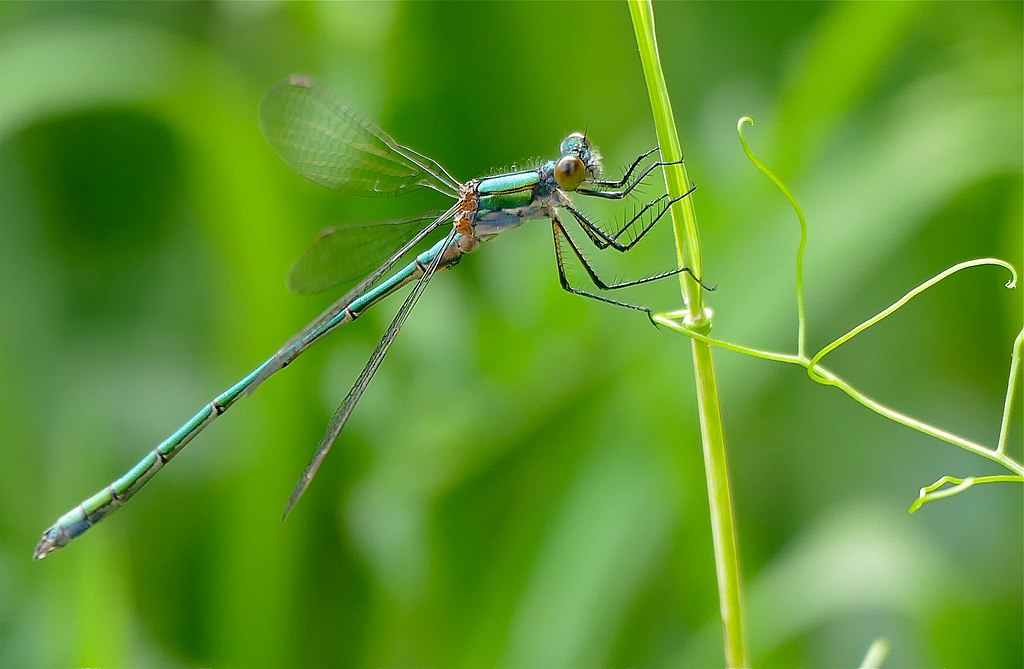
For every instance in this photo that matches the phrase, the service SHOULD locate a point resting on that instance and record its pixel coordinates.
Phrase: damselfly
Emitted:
(332, 145)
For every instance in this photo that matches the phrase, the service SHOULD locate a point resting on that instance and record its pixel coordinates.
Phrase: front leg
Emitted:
(625, 177)
(619, 194)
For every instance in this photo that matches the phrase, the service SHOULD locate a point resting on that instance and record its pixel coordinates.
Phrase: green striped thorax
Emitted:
(491, 205)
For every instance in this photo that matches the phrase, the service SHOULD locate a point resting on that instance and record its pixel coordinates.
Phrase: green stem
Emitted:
(876, 654)
(1011, 390)
(684, 219)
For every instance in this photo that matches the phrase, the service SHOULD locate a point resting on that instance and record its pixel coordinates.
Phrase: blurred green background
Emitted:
(522, 485)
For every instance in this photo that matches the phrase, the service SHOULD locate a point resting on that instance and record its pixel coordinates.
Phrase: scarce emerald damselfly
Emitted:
(330, 144)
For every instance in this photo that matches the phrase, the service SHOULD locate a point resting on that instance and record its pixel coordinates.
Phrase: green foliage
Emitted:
(523, 481)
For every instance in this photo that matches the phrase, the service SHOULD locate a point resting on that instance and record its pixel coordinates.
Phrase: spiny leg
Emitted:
(637, 215)
(605, 183)
(559, 234)
(618, 195)
(602, 239)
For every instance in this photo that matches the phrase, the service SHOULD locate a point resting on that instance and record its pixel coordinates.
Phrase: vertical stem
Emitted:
(1011, 390)
(723, 526)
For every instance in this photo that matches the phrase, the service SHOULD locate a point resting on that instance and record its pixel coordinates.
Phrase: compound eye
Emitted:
(575, 143)
(569, 172)
(581, 140)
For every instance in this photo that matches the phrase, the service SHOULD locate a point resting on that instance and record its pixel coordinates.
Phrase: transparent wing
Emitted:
(349, 404)
(333, 145)
(322, 324)
(347, 253)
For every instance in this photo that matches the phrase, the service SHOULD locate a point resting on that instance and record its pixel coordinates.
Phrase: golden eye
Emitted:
(569, 172)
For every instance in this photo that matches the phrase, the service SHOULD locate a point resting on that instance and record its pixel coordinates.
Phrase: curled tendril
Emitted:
(935, 491)
(681, 322)
(801, 335)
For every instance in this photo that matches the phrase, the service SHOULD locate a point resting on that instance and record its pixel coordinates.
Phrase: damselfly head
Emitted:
(580, 162)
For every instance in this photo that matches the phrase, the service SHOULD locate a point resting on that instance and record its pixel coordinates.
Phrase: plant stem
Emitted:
(876, 654)
(723, 526)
